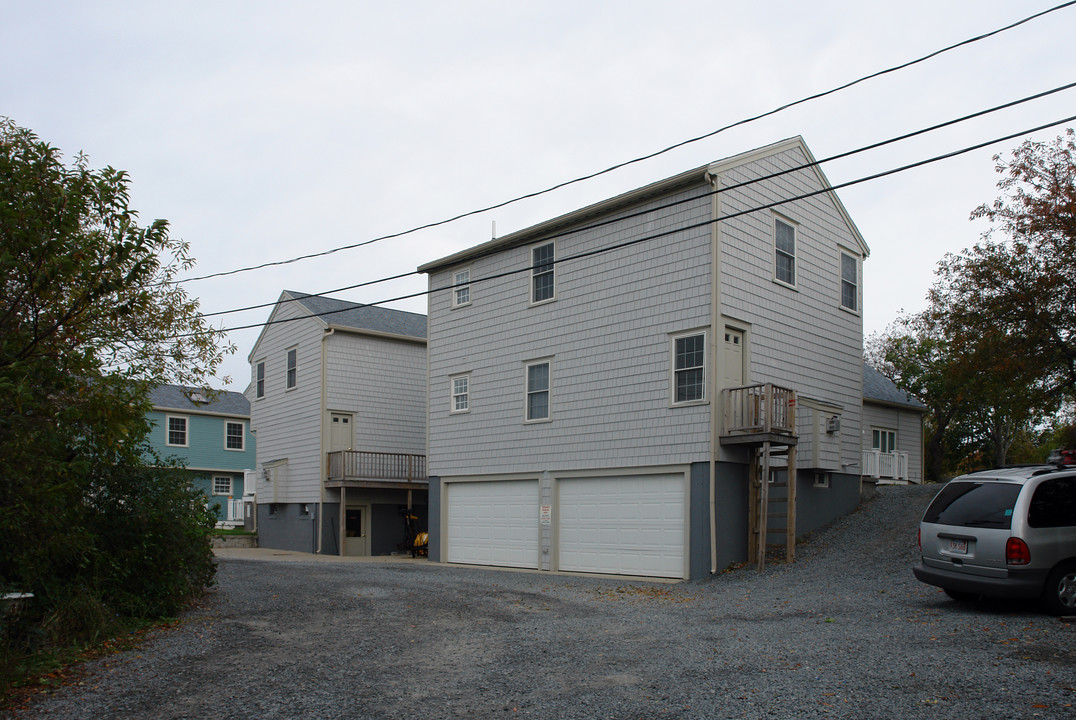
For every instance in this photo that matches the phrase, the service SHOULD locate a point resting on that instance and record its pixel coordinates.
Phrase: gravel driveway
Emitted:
(845, 632)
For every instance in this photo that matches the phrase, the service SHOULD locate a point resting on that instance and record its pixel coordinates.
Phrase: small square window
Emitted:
(177, 431)
(234, 435)
(222, 485)
(538, 384)
(461, 393)
(784, 242)
(291, 368)
(849, 282)
(461, 288)
(543, 285)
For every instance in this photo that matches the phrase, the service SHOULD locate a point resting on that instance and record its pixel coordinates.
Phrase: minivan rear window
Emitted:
(974, 504)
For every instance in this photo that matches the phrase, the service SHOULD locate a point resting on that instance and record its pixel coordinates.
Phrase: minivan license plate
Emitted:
(958, 546)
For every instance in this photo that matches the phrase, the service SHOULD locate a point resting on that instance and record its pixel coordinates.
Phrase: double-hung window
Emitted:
(538, 386)
(177, 431)
(849, 282)
(259, 380)
(689, 367)
(461, 393)
(291, 368)
(461, 288)
(234, 435)
(543, 285)
(784, 243)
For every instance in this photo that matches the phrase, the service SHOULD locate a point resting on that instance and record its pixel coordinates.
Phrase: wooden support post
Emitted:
(763, 505)
(790, 547)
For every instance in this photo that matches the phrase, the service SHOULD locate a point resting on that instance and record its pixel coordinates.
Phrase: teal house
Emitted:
(210, 432)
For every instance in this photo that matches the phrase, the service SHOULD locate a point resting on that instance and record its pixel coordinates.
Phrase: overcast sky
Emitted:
(266, 130)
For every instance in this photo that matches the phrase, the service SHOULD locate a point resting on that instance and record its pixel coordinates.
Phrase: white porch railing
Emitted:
(885, 466)
(232, 510)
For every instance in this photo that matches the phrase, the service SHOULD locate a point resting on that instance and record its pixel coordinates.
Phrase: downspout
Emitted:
(716, 413)
(322, 458)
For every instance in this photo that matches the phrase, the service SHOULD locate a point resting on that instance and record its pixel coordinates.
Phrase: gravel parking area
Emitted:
(845, 632)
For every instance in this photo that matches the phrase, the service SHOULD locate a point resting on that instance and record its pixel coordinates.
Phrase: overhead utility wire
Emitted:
(584, 228)
(636, 241)
(642, 158)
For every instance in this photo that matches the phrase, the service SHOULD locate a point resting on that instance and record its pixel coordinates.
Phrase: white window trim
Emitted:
(288, 368)
(457, 286)
(259, 392)
(840, 272)
(452, 395)
(242, 437)
(213, 485)
(888, 431)
(527, 391)
(795, 249)
(821, 479)
(553, 270)
(186, 431)
(704, 332)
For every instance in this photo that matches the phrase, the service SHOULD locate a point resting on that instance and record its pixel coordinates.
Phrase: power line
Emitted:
(642, 158)
(584, 228)
(647, 238)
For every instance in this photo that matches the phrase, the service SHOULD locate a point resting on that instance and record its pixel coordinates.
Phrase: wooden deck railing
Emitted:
(763, 408)
(362, 465)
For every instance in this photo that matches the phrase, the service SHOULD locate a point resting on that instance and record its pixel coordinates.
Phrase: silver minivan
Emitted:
(1008, 533)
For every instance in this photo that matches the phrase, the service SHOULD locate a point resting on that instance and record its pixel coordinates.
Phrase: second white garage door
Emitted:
(631, 525)
(493, 523)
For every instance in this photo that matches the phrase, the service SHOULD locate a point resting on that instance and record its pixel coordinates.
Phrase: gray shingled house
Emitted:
(337, 402)
(627, 388)
(892, 431)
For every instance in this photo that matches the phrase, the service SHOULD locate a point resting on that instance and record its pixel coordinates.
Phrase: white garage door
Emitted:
(493, 523)
(631, 525)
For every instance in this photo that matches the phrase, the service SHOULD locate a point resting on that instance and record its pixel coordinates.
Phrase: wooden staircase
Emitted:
(771, 523)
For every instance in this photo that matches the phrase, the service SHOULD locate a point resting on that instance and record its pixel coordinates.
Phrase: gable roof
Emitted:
(185, 399)
(703, 174)
(877, 388)
(356, 316)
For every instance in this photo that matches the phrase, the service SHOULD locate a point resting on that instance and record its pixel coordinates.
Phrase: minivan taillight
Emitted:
(1017, 552)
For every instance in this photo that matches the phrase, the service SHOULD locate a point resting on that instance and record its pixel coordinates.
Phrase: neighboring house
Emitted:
(608, 388)
(338, 400)
(892, 431)
(210, 432)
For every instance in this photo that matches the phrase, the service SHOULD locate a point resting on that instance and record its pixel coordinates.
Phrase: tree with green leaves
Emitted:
(90, 319)
(995, 351)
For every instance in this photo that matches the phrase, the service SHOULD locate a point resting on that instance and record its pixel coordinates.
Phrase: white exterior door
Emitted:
(631, 525)
(493, 523)
(733, 358)
(341, 436)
